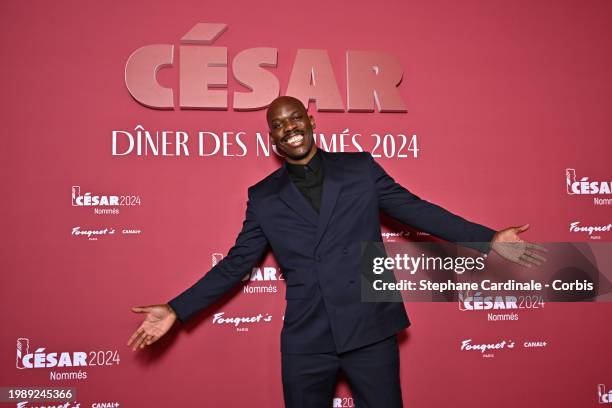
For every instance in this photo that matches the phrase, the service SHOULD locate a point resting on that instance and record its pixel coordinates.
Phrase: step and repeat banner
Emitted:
(132, 130)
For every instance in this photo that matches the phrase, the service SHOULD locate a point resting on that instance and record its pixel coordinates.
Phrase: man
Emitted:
(314, 212)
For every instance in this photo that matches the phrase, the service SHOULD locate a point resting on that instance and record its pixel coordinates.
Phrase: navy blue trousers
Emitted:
(309, 380)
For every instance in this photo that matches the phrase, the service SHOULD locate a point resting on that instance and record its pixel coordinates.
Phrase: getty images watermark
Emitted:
(445, 272)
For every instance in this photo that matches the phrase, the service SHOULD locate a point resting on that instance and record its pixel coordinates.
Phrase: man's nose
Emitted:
(289, 126)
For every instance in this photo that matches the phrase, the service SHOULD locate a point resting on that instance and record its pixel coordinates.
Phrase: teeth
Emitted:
(294, 140)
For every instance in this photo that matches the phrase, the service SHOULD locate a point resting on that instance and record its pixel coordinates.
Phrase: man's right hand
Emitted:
(158, 320)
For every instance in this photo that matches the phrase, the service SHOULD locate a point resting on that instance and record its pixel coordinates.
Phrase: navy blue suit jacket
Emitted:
(319, 254)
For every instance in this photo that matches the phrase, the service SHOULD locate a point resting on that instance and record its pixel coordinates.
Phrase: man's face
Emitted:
(291, 128)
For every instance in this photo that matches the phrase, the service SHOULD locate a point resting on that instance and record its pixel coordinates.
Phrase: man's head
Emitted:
(291, 129)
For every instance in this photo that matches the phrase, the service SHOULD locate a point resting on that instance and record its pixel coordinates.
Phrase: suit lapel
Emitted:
(294, 199)
(331, 188)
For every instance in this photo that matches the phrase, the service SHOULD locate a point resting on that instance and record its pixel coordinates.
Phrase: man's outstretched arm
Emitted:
(401, 204)
(404, 206)
(250, 246)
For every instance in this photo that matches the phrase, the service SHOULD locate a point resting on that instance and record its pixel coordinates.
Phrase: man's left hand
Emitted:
(507, 244)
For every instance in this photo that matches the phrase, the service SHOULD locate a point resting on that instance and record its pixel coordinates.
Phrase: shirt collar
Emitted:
(299, 170)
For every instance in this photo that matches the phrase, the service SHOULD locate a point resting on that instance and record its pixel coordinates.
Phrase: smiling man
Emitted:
(291, 130)
(314, 212)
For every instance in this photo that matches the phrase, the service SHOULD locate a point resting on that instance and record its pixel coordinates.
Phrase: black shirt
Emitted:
(308, 179)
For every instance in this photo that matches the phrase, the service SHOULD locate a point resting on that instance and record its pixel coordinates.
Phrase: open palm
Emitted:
(507, 244)
(158, 320)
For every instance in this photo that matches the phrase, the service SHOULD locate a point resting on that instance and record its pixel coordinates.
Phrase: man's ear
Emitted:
(312, 121)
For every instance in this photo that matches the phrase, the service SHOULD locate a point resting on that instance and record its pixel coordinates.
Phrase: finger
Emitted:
(523, 262)
(140, 342)
(143, 342)
(533, 262)
(150, 340)
(531, 245)
(146, 341)
(522, 228)
(135, 335)
(140, 309)
(536, 256)
(138, 339)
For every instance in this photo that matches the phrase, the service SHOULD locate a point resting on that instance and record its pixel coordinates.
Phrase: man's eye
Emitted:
(296, 118)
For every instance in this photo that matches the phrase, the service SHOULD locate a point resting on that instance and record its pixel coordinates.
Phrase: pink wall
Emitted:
(503, 97)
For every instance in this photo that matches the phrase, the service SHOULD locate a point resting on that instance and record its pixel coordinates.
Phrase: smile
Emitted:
(295, 140)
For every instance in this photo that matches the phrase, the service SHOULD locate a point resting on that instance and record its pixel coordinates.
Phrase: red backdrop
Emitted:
(502, 96)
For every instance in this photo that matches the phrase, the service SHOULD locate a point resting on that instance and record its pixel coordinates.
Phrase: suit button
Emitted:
(318, 258)
(345, 250)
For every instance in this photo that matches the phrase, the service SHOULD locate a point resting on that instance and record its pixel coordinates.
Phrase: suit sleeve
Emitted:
(401, 204)
(250, 246)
